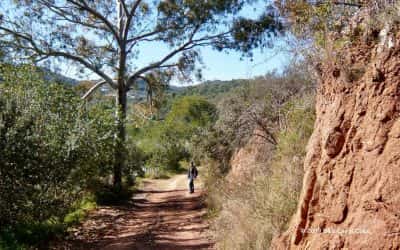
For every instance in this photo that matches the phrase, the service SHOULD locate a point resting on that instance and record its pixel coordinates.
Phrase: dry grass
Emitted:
(249, 213)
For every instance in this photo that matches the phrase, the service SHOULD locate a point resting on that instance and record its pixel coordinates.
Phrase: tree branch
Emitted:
(124, 7)
(186, 46)
(137, 38)
(271, 140)
(263, 126)
(341, 3)
(92, 89)
(129, 18)
(40, 52)
(85, 63)
(134, 7)
(70, 17)
(85, 6)
(157, 64)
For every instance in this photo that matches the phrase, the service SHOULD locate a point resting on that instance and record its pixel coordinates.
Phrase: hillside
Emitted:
(52, 76)
(350, 196)
(211, 89)
(208, 89)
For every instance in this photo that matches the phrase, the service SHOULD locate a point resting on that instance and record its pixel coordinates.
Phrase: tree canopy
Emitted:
(102, 35)
(105, 38)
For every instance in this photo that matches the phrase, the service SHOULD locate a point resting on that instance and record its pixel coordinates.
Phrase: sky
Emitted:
(222, 65)
(228, 66)
(217, 65)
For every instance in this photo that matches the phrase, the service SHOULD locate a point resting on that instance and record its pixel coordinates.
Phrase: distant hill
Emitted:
(138, 92)
(52, 76)
(208, 89)
(211, 89)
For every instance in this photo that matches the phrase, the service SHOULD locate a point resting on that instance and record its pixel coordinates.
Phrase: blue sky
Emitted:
(217, 65)
(227, 66)
(224, 66)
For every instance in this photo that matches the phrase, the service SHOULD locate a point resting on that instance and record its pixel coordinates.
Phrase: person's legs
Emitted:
(191, 186)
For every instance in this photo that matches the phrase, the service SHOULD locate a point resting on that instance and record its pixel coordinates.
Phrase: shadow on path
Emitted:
(153, 219)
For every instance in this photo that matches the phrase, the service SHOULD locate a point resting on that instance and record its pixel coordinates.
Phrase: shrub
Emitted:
(39, 150)
(51, 145)
(167, 143)
(249, 212)
(255, 105)
(107, 195)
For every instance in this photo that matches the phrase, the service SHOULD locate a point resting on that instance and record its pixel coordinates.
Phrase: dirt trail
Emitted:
(163, 215)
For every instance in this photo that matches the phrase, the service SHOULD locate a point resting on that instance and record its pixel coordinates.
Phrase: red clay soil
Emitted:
(155, 219)
(351, 189)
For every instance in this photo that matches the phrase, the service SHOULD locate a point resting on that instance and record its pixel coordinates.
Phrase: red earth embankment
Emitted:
(351, 189)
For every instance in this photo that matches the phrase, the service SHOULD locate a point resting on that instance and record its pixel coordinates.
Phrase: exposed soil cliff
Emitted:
(351, 189)
(248, 158)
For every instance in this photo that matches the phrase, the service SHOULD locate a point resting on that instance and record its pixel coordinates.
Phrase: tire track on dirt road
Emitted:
(161, 216)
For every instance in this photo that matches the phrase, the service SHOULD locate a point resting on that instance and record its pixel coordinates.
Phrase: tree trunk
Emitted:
(121, 104)
(120, 154)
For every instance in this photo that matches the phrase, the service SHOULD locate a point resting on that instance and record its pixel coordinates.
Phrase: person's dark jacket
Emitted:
(192, 173)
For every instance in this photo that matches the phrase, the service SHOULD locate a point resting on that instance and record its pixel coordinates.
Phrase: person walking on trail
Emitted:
(192, 174)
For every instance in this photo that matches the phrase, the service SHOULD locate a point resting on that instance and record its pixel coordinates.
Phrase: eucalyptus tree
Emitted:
(105, 37)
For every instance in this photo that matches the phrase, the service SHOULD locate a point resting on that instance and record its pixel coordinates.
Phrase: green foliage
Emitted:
(220, 24)
(38, 147)
(315, 20)
(211, 89)
(274, 115)
(24, 236)
(285, 180)
(329, 27)
(166, 143)
(250, 213)
(254, 105)
(189, 114)
(135, 162)
(53, 146)
(79, 210)
(108, 195)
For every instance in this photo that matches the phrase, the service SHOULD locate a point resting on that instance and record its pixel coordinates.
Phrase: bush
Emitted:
(79, 210)
(256, 105)
(107, 195)
(39, 150)
(249, 212)
(167, 143)
(51, 145)
(25, 235)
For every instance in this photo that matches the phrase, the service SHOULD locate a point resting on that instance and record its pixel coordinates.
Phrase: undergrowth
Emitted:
(248, 213)
(37, 235)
